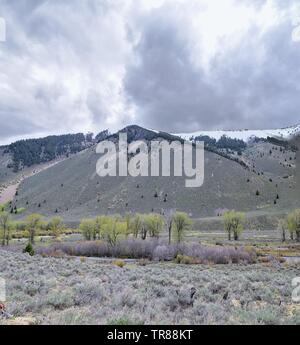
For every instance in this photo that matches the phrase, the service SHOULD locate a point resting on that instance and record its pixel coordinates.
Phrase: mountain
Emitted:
(135, 132)
(245, 134)
(25, 153)
(28, 157)
(259, 180)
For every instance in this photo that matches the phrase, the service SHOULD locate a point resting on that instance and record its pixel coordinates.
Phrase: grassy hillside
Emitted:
(296, 142)
(5, 173)
(73, 189)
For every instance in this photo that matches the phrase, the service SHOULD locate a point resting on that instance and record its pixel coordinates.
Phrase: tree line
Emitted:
(26, 153)
(290, 225)
(109, 228)
(29, 227)
(143, 226)
(224, 142)
(234, 225)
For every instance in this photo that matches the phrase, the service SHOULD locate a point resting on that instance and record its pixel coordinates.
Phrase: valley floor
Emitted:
(79, 291)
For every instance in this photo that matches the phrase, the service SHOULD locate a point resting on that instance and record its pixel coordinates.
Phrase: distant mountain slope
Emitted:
(296, 142)
(73, 190)
(26, 157)
(29, 152)
(25, 153)
(245, 135)
(135, 132)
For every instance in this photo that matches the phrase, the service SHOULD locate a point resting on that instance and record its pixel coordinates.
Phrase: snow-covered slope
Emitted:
(245, 134)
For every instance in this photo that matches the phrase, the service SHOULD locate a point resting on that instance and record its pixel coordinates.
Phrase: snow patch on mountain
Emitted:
(245, 134)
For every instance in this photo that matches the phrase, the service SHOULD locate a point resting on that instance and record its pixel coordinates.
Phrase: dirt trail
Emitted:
(8, 193)
(8, 190)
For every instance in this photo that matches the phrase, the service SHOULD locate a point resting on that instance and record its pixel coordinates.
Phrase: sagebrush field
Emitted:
(86, 291)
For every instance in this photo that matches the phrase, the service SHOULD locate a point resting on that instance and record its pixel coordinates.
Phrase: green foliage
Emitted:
(93, 229)
(233, 223)
(293, 224)
(33, 224)
(109, 228)
(29, 249)
(181, 223)
(99, 223)
(119, 263)
(154, 223)
(137, 224)
(282, 226)
(20, 210)
(87, 227)
(56, 226)
(113, 229)
(5, 227)
(128, 222)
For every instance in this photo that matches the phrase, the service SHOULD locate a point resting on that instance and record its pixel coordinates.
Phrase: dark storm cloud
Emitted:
(252, 85)
(261, 92)
(168, 90)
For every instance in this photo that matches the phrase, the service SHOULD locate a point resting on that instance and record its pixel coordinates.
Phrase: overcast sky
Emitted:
(174, 65)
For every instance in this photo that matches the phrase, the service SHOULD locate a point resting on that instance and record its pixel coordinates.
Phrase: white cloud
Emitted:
(2, 30)
(56, 58)
(296, 34)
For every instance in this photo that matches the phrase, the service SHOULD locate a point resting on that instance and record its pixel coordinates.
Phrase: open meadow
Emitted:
(206, 279)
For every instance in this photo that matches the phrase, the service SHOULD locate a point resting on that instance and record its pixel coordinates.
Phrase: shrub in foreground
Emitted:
(29, 249)
(185, 260)
(153, 250)
(119, 263)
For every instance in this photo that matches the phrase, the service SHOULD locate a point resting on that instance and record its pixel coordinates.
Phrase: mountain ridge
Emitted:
(293, 130)
(246, 134)
(73, 190)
